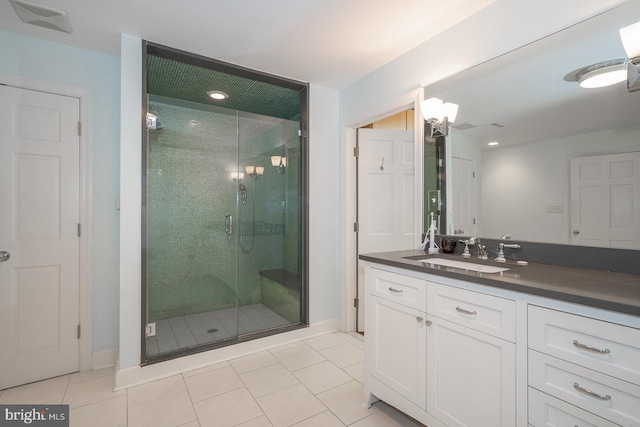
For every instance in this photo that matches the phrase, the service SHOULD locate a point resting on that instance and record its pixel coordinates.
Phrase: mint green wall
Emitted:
(99, 73)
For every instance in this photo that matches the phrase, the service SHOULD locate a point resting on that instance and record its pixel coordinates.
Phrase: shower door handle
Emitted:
(228, 224)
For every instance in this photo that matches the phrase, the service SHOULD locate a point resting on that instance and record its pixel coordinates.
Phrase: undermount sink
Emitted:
(480, 268)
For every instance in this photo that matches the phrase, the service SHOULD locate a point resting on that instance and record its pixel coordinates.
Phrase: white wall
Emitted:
(519, 182)
(98, 73)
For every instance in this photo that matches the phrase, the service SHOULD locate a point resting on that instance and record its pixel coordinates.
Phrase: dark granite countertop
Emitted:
(601, 289)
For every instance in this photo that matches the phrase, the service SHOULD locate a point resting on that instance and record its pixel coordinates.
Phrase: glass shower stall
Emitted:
(224, 206)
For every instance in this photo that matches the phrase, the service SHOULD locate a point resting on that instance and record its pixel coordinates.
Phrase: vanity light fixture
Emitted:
(218, 95)
(279, 163)
(254, 171)
(438, 114)
(630, 36)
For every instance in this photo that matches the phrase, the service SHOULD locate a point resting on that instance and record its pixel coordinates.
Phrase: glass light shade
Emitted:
(450, 110)
(284, 162)
(432, 108)
(250, 169)
(237, 176)
(605, 76)
(259, 170)
(275, 161)
(630, 36)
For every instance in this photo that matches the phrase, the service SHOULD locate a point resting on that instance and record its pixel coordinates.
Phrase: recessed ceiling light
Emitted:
(217, 95)
(493, 143)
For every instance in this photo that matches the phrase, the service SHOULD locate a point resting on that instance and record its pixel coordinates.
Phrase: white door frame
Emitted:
(86, 170)
(349, 270)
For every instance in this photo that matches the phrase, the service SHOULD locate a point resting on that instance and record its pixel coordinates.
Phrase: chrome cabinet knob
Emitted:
(4, 256)
(576, 232)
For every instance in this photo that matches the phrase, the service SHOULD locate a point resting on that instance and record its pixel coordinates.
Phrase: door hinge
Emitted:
(150, 330)
(78, 331)
(356, 303)
(356, 227)
(356, 151)
(79, 128)
(79, 230)
(474, 174)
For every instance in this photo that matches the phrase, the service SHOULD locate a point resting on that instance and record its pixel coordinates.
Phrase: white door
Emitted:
(463, 201)
(386, 208)
(39, 211)
(605, 200)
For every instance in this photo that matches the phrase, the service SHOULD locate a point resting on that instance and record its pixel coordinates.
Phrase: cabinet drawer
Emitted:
(484, 313)
(547, 411)
(606, 347)
(404, 290)
(610, 398)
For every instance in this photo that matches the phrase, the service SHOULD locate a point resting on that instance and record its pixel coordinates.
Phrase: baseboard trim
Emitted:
(136, 375)
(104, 359)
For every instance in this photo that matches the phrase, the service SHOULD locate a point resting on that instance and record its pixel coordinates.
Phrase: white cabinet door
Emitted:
(471, 376)
(398, 348)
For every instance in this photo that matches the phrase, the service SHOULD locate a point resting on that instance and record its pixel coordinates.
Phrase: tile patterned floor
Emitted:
(188, 331)
(311, 383)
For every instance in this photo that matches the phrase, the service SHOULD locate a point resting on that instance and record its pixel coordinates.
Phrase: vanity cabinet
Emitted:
(470, 366)
(587, 365)
(442, 349)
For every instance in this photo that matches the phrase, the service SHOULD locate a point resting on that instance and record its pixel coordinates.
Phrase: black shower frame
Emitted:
(217, 65)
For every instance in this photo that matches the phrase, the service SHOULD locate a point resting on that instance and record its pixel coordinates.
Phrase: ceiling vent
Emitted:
(463, 126)
(42, 16)
(498, 125)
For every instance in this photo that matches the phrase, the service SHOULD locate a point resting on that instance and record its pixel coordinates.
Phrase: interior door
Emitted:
(385, 194)
(39, 212)
(463, 203)
(605, 200)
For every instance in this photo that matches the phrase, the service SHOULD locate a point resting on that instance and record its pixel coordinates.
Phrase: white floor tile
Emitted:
(344, 355)
(268, 380)
(47, 391)
(356, 371)
(253, 362)
(213, 383)
(324, 341)
(386, 416)
(325, 419)
(228, 409)
(90, 375)
(91, 391)
(205, 369)
(168, 411)
(105, 413)
(149, 392)
(257, 422)
(291, 405)
(322, 376)
(345, 402)
(297, 356)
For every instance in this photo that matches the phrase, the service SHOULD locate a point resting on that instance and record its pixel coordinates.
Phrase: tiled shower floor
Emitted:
(183, 332)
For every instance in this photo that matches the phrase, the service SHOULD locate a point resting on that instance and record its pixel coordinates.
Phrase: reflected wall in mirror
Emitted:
(567, 166)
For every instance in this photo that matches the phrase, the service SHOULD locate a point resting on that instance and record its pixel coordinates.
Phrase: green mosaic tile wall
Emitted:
(192, 262)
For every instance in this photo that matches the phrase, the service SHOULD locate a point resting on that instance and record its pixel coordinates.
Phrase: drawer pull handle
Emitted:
(590, 348)
(590, 393)
(395, 290)
(463, 311)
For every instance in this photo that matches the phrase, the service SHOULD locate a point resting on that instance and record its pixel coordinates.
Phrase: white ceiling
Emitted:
(328, 42)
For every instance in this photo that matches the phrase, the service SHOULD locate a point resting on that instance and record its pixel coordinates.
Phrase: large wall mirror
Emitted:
(563, 153)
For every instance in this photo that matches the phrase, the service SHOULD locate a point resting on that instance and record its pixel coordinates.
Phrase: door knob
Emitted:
(4, 256)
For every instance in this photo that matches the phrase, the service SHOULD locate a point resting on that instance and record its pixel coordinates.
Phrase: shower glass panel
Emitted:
(223, 225)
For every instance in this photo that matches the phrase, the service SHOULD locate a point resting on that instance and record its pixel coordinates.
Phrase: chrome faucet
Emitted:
(501, 246)
(482, 254)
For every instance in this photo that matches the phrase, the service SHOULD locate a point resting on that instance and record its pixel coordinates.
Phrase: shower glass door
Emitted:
(193, 192)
